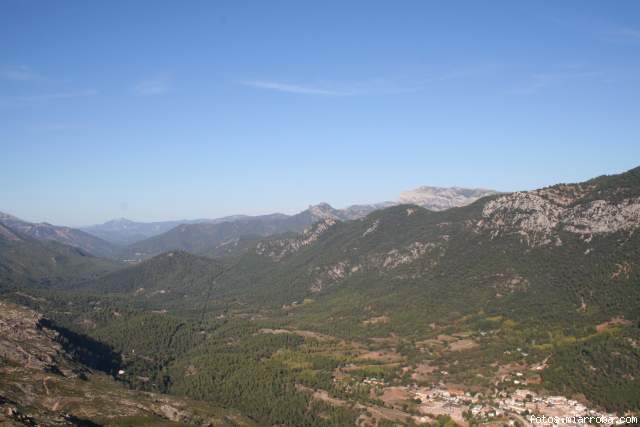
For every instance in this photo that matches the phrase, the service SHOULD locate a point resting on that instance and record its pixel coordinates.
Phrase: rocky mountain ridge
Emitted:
(541, 216)
(126, 232)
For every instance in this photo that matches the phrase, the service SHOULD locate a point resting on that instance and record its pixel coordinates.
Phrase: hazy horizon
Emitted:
(213, 109)
(291, 212)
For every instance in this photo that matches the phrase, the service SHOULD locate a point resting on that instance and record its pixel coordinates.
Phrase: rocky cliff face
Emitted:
(539, 216)
(25, 343)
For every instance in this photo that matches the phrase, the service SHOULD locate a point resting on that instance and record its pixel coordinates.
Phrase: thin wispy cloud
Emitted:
(622, 34)
(30, 100)
(538, 82)
(19, 73)
(366, 87)
(159, 85)
(294, 88)
(58, 95)
(600, 29)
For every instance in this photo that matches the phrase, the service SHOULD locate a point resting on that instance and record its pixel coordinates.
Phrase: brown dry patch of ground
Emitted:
(435, 408)
(382, 413)
(456, 389)
(446, 338)
(352, 367)
(316, 335)
(423, 372)
(511, 367)
(461, 345)
(505, 371)
(386, 356)
(392, 339)
(394, 396)
(376, 320)
(535, 379)
(324, 396)
(616, 321)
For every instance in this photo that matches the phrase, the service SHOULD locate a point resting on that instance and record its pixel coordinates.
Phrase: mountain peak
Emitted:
(441, 198)
(323, 210)
(321, 205)
(119, 221)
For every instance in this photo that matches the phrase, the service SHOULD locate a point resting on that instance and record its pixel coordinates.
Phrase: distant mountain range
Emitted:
(124, 239)
(202, 236)
(123, 231)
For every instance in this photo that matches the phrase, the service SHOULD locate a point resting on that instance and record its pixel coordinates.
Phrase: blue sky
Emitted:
(162, 110)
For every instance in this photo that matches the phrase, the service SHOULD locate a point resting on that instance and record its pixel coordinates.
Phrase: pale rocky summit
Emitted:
(441, 198)
(432, 198)
(324, 211)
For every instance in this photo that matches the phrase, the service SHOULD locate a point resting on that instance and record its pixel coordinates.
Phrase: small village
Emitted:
(499, 408)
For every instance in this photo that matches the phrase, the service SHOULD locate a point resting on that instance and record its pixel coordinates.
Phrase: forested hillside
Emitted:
(202, 237)
(26, 261)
